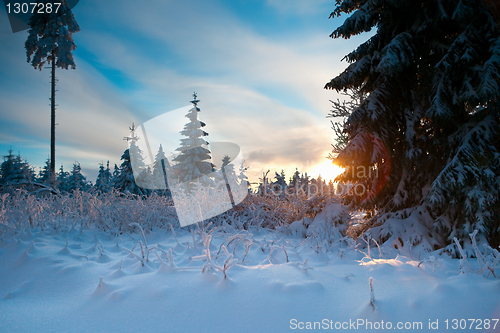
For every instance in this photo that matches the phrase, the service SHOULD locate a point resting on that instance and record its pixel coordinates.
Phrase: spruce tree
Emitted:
(194, 159)
(115, 176)
(295, 180)
(7, 166)
(103, 181)
(45, 174)
(50, 40)
(15, 170)
(125, 180)
(134, 176)
(76, 180)
(242, 175)
(279, 185)
(229, 176)
(427, 134)
(63, 180)
(160, 168)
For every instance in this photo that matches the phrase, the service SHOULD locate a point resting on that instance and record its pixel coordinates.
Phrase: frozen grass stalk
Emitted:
(372, 297)
(145, 249)
(173, 231)
(464, 258)
(379, 250)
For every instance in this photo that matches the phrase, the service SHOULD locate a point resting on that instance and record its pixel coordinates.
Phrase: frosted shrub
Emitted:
(487, 261)
(114, 211)
(106, 211)
(145, 249)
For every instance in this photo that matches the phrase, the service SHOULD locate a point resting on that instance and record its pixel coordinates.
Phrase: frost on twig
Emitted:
(464, 258)
(303, 265)
(210, 262)
(229, 262)
(145, 250)
(173, 231)
(487, 263)
(379, 250)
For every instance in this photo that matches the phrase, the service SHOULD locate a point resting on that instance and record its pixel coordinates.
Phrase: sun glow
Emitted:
(327, 170)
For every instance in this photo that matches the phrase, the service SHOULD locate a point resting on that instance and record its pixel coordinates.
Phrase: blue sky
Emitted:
(258, 66)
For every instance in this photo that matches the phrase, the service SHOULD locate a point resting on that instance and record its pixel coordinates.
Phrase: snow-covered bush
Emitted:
(111, 211)
(427, 132)
(326, 229)
(410, 227)
(487, 261)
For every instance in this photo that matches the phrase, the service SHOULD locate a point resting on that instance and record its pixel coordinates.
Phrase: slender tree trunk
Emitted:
(228, 187)
(53, 120)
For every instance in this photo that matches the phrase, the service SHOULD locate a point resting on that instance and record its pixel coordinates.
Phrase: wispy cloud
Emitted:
(136, 62)
(300, 7)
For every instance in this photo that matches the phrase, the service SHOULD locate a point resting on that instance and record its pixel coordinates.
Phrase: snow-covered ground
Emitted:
(81, 280)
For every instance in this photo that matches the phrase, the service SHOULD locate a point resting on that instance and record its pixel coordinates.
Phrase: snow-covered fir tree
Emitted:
(229, 176)
(145, 180)
(76, 180)
(279, 185)
(194, 159)
(318, 186)
(159, 174)
(264, 184)
(63, 180)
(45, 174)
(115, 175)
(227, 165)
(427, 134)
(124, 181)
(132, 172)
(103, 181)
(242, 175)
(343, 109)
(14, 170)
(304, 180)
(295, 180)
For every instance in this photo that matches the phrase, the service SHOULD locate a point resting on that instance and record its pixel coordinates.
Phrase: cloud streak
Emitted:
(261, 92)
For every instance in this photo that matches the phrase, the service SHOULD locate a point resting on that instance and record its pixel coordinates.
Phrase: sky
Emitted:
(258, 68)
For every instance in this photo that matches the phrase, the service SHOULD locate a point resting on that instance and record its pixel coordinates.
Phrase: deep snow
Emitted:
(94, 284)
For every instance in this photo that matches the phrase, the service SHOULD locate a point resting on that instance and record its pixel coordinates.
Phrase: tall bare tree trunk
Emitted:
(53, 120)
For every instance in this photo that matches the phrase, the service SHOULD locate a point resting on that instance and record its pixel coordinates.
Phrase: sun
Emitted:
(327, 170)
